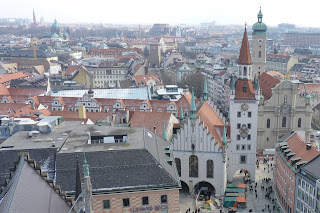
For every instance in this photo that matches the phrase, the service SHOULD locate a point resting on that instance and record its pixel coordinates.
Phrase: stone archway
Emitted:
(205, 188)
(184, 187)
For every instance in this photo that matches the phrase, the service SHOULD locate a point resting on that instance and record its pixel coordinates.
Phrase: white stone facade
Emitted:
(242, 149)
(205, 148)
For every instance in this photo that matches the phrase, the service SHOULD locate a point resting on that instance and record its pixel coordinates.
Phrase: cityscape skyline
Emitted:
(173, 13)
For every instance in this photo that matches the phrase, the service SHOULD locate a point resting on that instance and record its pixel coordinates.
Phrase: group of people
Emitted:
(196, 211)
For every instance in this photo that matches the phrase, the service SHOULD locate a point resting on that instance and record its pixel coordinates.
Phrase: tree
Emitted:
(146, 52)
(167, 78)
(196, 81)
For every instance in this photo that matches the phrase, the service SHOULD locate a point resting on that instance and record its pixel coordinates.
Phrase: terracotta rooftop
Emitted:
(210, 120)
(146, 78)
(8, 77)
(241, 93)
(298, 146)
(150, 119)
(71, 69)
(245, 56)
(4, 90)
(267, 82)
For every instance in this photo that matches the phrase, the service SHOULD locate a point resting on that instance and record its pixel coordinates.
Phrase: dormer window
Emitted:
(244, 87)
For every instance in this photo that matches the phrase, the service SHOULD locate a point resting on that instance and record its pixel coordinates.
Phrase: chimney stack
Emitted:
(82, 112)
(308, 146)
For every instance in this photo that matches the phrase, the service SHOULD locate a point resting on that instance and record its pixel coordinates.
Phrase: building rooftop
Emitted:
(22, 140)
(132, 93)
(312, 168)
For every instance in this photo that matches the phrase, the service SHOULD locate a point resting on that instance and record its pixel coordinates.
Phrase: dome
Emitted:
(259, 27)
(308, 96)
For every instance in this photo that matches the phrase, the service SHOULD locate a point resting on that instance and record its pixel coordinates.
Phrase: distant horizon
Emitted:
(174, 13)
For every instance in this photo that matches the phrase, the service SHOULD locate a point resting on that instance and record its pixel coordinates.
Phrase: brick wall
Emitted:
(136, 201)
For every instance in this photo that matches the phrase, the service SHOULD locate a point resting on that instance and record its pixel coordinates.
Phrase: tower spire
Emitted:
(193, 106)
(164, 132)
(34, 18)
(86, 167)
(205, 89)
(181, 112)
(245, 56)
(224, 137)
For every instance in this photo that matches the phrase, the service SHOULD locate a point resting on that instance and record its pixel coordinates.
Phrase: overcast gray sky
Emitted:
(302, 13)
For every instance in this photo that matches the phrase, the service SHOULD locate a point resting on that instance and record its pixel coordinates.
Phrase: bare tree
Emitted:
(196, 81)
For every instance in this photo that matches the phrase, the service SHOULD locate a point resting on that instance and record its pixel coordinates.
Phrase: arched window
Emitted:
(209, 169)
(259, 54)
(285, 99)
(284, 122)
(178, 165)
(268, 123)
(299, 123)
(193, 166)
(244, 70)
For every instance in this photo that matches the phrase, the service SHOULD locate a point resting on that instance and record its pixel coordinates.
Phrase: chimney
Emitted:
(82, 112)
(308, 146)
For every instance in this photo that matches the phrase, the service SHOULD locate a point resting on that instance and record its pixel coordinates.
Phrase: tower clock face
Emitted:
(244, 107)
(260, 41)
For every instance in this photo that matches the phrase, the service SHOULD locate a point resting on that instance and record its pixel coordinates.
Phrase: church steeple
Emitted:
(205, 90)
(224, 137)
(193, 106)
(164, 132)
(245, 62)
(181, 113)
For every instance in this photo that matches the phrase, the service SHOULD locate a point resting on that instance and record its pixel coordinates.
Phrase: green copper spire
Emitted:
(86, 167)
(232, 84)
(193, 106)
(257, 85)
(224, 138)
(181, 113)
(164, 132)
(205, 90)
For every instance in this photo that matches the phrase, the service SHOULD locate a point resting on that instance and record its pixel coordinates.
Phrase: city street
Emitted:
(256, 204)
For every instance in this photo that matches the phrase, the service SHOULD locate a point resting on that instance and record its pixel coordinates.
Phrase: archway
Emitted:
(204, 188)
(184, 187)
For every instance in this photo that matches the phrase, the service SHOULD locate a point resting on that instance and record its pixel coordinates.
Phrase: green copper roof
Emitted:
(164, 132)
(261, 96)
(257, 85)
(181, 112)
(259, 27)
(232, 84)
(308, 96)
(205, 90)
(224, 138)
(86, 167)
(193, 105)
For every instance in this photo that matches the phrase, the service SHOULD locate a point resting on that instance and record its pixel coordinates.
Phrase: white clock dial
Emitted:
(260, 41)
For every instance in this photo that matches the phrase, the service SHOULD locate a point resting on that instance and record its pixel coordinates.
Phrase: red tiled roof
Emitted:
(74, 115)
(210, 120)
(146, 78)
(8, 77)
(298, 146)
(71, 69)
(4, 90)
(19, 91)
(240, 94)
(245, 57)
(267, 82)
(150, 120)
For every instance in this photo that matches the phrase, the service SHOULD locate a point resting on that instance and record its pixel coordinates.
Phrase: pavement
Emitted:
(256, 204)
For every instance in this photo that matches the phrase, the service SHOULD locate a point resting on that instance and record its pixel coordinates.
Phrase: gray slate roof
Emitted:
(313, 167)
(115, 171)
(44, 157)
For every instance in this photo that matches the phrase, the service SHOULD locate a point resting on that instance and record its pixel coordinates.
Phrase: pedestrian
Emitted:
(189, 209)
(268, 170)
(256, 184)
(264, 168)
(256, 196)
(268, 206)
(274, 208)
(265, 206)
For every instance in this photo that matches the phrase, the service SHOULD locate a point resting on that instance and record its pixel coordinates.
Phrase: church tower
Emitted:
(244, 100)
(259, 39)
